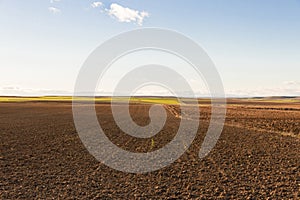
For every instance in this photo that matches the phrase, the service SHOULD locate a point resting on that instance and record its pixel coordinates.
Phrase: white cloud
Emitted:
(52, 1)
(292, 83)
(263, 91)
(123, 14)
(54, 10)
(97, 4)
(18, 91)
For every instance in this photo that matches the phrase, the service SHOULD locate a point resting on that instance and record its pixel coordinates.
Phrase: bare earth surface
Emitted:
(256, 157)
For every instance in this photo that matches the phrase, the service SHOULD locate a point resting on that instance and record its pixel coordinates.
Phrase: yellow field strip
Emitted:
(152, 100)
(87, 99)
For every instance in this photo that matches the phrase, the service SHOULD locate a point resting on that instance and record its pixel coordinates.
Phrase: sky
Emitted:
(254, 44)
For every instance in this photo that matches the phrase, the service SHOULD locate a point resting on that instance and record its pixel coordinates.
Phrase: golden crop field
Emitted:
(152, 100)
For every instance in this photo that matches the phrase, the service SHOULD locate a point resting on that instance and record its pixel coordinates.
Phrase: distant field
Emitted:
(165, 100)
(151, 100)
(274, 100)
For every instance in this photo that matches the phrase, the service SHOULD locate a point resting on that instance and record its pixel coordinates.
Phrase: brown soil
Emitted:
(42, 156)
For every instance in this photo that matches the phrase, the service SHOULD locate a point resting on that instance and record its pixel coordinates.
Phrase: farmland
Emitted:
(257, 154)
(89, 99)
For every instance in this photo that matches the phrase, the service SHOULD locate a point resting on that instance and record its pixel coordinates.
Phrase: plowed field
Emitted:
(256, 157)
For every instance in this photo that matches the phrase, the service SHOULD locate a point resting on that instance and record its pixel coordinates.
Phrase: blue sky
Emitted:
(254, 44)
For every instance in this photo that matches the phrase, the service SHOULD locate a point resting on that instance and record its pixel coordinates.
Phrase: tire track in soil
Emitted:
(175, 111)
